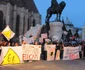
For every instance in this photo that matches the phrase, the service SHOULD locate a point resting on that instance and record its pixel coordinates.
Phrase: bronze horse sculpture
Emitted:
(55, 8)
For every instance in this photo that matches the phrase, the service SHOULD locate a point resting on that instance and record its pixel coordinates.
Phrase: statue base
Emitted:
(56, 31)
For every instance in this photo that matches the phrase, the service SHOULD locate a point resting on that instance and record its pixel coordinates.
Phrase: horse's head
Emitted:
(62, 4)
(54, 3)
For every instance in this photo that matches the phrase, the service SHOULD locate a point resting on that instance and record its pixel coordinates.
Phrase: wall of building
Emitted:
(83, 33)
(25, 16)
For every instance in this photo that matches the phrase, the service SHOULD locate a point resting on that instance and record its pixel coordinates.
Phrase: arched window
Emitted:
(4, 22)
(28, 25)
(33, 22)
(17, 25)
(1, 21)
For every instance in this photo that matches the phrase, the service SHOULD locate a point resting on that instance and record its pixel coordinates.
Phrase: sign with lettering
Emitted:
(0, 58)
(11, 55)
(57, 55)
(71, 53)
(50, 52)
(31, 52)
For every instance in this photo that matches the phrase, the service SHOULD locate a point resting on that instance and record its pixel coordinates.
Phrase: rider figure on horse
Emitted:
(54, 4)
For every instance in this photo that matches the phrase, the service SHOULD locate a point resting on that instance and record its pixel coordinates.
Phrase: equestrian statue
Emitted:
(55, 8)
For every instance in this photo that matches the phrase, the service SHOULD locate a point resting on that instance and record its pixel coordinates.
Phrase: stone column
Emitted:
(31, 17)
(83, 33)
(21, 22)
(39, 19)
(26, 21)
(14, 18)
(8, 14)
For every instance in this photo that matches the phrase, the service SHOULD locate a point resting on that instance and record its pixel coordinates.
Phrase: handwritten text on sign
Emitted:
(31, 52)
(11, 55)
(50, 52)
(71, 53)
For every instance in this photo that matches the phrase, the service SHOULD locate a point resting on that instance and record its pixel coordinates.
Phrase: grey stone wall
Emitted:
(10, 13)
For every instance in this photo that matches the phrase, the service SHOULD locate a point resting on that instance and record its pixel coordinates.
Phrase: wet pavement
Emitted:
(45, 65)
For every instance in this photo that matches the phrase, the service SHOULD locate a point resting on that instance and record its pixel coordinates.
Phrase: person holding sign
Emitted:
(36, 42)
(57, 51)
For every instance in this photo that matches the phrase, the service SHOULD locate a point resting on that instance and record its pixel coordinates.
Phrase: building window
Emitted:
(1, 21)
(17, 25)
(23, 25)
(33, 22)
(28, 25)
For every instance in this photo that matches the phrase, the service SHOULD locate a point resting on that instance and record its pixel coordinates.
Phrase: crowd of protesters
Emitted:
(59, 46)
(5, 43)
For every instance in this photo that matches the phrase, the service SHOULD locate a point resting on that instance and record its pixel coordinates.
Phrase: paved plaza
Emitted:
(45, 65)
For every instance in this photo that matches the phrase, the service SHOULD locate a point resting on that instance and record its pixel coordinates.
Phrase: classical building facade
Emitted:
(20, 15)
(83, 33)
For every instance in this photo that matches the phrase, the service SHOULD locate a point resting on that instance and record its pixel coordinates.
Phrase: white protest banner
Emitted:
(0, 56)
(31, 52)
(0, 59)
(11, 55)
(57, 55)
(50, 52)
(71, 53)
(34, 31)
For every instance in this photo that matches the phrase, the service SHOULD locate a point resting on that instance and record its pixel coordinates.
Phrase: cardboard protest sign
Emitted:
(0, 59)
(31, 52)
(50, 52)
(57, 55)
(11, 55)
(71, 53)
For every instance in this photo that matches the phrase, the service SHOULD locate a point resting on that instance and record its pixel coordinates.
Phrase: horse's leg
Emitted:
(48, 17)
(56, 19)
(47, 24)
(59, 17)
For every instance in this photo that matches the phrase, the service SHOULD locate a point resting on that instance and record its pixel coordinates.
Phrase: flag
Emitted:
(8, 33)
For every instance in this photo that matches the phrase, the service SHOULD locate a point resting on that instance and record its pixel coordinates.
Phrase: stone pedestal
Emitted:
(56, 30)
